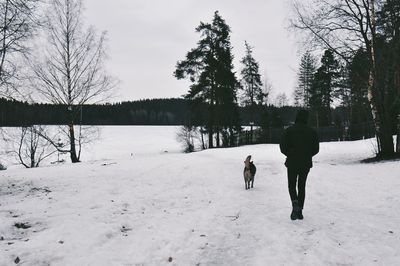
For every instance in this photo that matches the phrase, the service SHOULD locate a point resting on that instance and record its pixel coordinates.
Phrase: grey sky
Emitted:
(148, 37)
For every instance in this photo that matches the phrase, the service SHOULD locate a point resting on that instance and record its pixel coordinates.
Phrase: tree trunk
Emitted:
(4, 41)
(217, 120)
(386, 136)
(397, 83)
(211, 126)
(210, 138)
(32, 149)
(74, 158)
(251, 133)
(397, 87)
(218, 138)
(398, 136)
(381, 117)
(203, 146)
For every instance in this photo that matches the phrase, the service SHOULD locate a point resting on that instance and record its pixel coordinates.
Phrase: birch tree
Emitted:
(72, 71)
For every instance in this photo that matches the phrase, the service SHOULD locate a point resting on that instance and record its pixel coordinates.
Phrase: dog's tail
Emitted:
(253, 169)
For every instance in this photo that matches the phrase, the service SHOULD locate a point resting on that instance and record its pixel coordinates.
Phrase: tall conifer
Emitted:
(209, 67)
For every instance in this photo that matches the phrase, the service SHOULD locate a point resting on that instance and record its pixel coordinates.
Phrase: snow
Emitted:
(136, 200)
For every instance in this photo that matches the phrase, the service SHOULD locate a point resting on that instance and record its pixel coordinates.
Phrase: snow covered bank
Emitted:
(168, 208)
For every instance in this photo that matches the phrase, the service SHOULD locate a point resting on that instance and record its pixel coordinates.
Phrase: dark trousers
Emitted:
(297, 178)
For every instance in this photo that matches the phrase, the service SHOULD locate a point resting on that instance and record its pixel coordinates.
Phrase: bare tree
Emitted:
(72, 72)
(28, 145)
(17, 24)
(281, 100)
(345, 26)
(267, 90)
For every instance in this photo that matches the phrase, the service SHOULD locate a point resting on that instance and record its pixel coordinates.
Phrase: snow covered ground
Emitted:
(136, 200)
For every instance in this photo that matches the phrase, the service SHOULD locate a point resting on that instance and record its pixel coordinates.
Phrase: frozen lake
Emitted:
(116, 142)
(124, 141)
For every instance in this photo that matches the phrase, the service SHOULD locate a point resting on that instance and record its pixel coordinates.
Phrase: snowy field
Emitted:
(136, 200)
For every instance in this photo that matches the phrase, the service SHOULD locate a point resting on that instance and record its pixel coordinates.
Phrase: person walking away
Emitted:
(299, 143)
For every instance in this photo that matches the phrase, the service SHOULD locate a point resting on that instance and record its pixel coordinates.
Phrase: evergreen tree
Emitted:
(315, 99)
(342, 93)
(305, 77)
(323, 87)
(251, 83)
(357, 81)
(210, 69)
(251, 79)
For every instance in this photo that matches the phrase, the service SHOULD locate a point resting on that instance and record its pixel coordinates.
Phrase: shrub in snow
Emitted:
(185, 136)
(29, 145)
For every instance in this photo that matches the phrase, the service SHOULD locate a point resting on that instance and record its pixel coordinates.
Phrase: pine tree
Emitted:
(323, 87)
(210, 69)
(357, 81)
(251, 83)
(251, 79)
(305, 77)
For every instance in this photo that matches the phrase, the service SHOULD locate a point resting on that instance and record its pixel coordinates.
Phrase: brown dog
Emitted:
(249, 172)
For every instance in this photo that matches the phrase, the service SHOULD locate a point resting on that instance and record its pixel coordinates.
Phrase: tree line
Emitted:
(175, 111)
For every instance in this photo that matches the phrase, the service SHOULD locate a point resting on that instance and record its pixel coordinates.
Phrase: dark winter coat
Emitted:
(299, 143)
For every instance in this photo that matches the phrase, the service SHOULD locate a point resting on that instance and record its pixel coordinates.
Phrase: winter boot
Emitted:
(300, 211)
(295, 209)
(300, 214)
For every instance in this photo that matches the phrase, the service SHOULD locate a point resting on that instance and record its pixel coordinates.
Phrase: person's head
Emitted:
(302, 117)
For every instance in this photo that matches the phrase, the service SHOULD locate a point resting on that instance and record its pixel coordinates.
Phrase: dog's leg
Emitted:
(252, 183)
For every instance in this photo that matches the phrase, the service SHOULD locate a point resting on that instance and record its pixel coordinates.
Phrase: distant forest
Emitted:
(143, 112)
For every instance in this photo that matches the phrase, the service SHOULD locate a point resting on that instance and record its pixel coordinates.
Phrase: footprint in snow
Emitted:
(22, 225)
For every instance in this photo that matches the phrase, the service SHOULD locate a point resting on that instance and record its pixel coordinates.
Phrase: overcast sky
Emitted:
(148, 37)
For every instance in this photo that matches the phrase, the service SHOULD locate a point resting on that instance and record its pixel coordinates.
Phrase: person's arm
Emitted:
(284, 143)
(315, 144)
